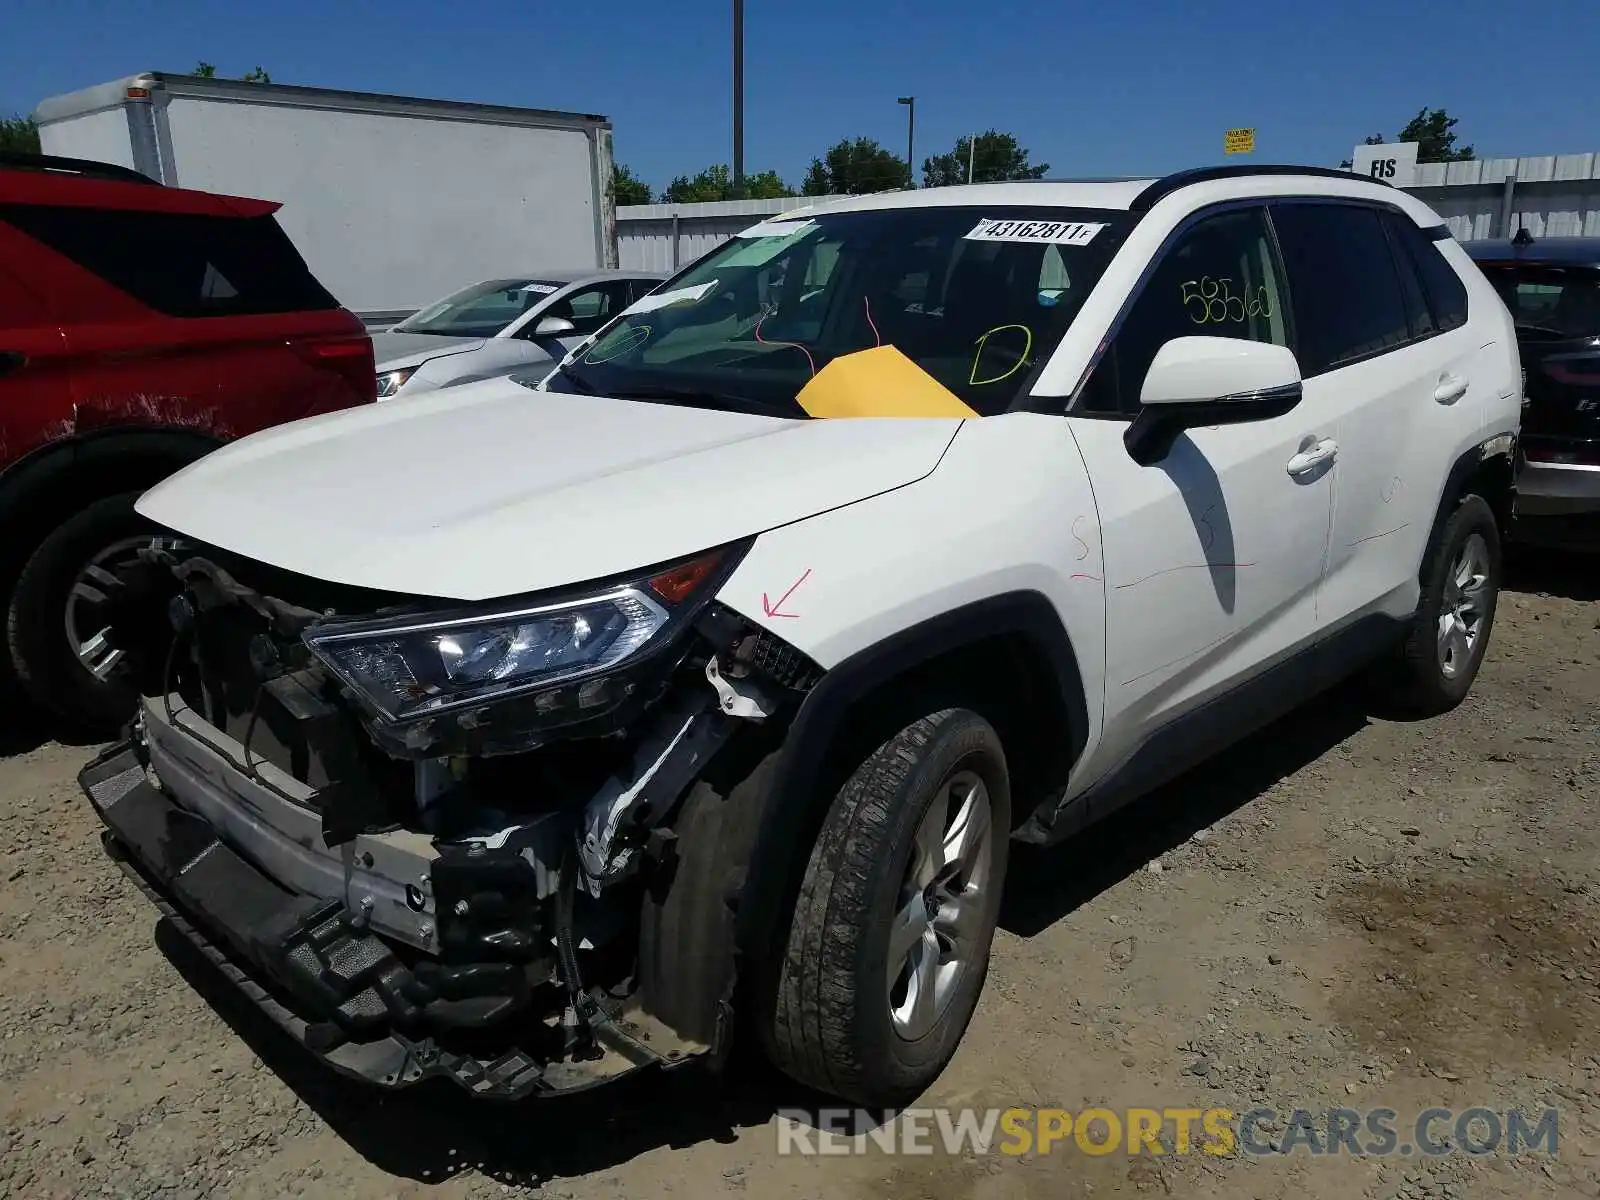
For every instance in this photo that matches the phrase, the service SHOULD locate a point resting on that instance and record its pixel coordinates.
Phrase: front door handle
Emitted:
(1313, 457)
(12, 360)
(1451, 388)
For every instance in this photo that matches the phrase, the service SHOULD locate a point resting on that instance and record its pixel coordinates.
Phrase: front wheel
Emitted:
(66, 652)
(1450, 632)
(889, 944)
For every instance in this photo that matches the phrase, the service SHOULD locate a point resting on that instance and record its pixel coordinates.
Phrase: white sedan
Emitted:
(497, 326)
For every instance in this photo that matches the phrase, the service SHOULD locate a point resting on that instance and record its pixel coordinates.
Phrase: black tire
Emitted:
(46, 667)
(1418, 682)
(830, 1025)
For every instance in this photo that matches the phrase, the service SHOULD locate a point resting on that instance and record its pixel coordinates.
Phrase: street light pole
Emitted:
(911, 139)
(738, 98)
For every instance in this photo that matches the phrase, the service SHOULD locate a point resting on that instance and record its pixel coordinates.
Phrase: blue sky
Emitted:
(1104, 89)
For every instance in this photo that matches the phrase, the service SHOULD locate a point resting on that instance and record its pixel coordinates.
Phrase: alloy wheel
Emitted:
(939, 921)
(1462, 611)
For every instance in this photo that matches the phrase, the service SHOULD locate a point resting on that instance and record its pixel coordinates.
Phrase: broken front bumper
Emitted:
(329, 944)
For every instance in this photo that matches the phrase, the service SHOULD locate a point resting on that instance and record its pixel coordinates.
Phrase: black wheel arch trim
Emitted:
(793, 797)
(1502, 449)
(37, 473)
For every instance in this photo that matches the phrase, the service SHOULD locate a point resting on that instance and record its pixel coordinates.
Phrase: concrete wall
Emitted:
(1552, 195)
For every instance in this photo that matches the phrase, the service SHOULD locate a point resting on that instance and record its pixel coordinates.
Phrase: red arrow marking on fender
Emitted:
(771, 609)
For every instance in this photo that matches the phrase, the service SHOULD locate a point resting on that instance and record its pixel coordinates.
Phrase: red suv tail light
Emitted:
(348, 355)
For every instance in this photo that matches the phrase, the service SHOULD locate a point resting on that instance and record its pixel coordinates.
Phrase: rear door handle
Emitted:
(1312, 457)
(1451, 388)
(12, 360)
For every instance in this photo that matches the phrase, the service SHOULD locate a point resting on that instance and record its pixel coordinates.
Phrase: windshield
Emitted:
(483, 309)
(975, 297)
(1549, 303)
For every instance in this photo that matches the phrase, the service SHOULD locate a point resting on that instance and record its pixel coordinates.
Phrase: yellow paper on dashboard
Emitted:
(881, 382)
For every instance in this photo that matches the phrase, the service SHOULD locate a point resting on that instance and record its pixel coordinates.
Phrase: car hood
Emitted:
(392, 350)
(494, 489)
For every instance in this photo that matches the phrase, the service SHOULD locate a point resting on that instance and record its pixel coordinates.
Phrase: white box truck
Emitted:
(393, 201)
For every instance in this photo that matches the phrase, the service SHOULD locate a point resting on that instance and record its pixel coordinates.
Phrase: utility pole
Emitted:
(972, 155)
(738, 98)
(911, 139)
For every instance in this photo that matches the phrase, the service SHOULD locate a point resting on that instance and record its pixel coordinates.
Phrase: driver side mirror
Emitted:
(1195, 381)
(554, 327)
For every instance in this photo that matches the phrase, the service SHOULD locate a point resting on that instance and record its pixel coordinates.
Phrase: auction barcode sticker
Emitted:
(1059, 233)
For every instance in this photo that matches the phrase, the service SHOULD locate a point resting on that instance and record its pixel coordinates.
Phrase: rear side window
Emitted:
(180, 264)
(1447, 295)
(1347, 299)
(1411, 287)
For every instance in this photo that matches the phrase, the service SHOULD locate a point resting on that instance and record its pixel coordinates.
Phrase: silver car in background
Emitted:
(499, 326)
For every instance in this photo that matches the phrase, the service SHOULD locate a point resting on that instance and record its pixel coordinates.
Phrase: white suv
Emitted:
(562, 726)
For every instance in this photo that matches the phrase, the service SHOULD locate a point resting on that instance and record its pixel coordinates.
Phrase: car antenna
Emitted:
(1523, 238)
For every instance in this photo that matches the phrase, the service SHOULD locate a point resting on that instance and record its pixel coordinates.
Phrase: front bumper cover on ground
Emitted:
(310, 968)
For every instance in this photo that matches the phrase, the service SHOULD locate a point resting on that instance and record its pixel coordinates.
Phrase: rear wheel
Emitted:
(61, 625)
(890, 939)
(1450, 632)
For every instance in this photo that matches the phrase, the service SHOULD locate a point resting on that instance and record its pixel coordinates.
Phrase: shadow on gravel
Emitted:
(1564, 573)
(1044, 885)
(434, 1131)
(30, 729)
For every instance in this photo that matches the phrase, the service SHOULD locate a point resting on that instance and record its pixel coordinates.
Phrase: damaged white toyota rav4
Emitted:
(571, 725)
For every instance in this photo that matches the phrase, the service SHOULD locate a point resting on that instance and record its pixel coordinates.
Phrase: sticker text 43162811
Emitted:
(1058, 233)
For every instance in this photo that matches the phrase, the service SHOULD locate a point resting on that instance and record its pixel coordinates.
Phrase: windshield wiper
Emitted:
(577, 381)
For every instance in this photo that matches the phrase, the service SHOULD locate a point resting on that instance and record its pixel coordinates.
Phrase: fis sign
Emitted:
(1393, 162)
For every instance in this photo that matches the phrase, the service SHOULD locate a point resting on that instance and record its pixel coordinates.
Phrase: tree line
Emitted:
(1433, 130)
(854, 166)
(849, 167)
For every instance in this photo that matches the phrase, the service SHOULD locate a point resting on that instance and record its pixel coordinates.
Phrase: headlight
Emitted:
(390, 382)
(419, 666)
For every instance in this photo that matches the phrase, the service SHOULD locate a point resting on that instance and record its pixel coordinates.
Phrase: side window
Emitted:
(1418, 314)
(824, 257)
(1347, 299)
(1053, 277)
(591, 307)
(638, 288)
(181, 264)
(1447, 295)
(1220, 279)
(915, 271)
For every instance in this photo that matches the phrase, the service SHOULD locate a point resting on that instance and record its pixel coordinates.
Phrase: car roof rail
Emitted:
(17, 160)
(1168, 184)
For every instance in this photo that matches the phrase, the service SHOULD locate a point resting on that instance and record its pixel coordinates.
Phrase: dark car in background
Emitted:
(141, 327)
(1552, 287)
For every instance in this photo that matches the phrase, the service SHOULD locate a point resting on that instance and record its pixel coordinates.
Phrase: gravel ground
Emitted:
(1345, 911)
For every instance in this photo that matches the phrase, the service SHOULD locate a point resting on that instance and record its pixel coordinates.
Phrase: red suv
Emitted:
(141, 326)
